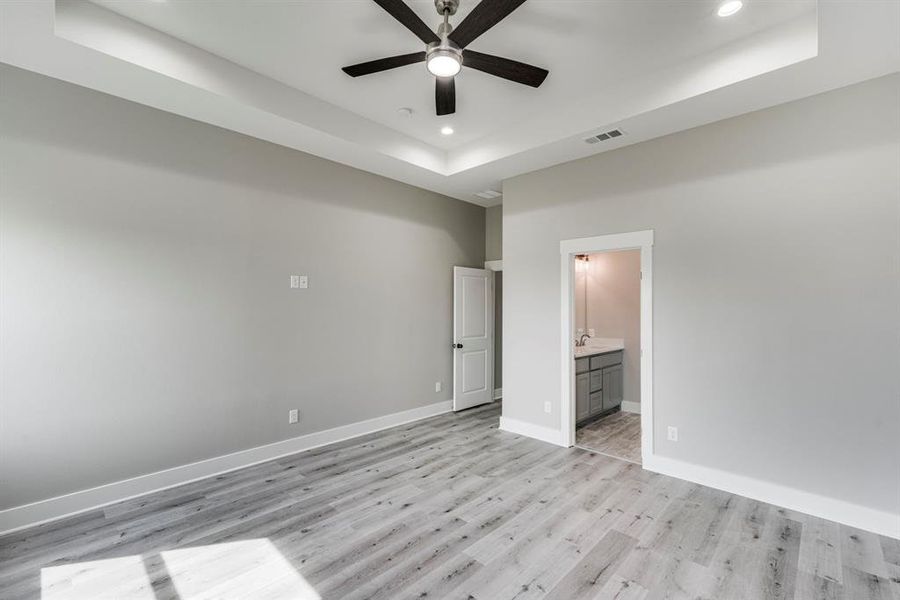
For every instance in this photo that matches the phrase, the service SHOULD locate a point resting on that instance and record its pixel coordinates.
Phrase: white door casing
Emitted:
(636, 240)
(473, 337)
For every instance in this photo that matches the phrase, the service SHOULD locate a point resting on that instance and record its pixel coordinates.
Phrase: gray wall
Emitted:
(608, 295)
(776, 288)
(493, 233)
(493, 250)
(146, 315)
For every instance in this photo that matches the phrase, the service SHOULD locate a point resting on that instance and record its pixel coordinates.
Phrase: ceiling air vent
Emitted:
(488, 194)
(606, 135)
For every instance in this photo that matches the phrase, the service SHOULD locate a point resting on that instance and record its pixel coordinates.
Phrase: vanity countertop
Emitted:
(582, 351)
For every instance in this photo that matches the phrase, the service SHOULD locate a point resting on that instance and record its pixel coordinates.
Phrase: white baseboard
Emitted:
(631, 407)
(538, 432)
(861, 517)
(498, 393)
(28, 515)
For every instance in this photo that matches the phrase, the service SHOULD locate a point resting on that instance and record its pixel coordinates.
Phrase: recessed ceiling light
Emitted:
(730, 7)
(446, 130)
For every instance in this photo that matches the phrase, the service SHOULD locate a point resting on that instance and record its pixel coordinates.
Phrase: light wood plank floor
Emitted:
(617, 435)
(448, 507)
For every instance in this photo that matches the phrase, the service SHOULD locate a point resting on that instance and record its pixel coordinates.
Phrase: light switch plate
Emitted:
(299, 282)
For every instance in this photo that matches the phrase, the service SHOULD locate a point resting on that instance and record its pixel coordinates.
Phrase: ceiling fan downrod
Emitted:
(444, 58)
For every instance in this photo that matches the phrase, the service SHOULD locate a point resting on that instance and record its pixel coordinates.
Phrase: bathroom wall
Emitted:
(612, 307)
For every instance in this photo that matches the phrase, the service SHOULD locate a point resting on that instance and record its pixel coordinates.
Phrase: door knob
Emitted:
(456, 345)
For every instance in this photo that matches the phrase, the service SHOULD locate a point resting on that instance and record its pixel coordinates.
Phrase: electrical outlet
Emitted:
(293, 416)
(591, 332)
(548, 408)
(673, 434)
(437, 386)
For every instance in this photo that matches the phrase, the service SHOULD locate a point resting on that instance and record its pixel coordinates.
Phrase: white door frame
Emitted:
(497, 267)
(636, 240)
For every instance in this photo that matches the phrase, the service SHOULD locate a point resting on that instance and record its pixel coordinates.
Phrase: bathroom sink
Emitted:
(596, 349)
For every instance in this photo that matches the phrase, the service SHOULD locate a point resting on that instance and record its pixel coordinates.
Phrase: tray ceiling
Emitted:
(272, 70)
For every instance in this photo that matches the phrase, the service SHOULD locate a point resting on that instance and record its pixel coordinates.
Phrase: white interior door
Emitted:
(473, 337)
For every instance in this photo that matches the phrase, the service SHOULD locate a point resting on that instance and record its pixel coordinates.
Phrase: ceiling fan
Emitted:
(445, 52)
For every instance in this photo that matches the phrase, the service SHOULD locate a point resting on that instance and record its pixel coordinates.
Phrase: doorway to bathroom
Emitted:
(607, 353)
(607, 341)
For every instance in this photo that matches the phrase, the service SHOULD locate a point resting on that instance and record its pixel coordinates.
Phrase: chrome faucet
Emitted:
(580, 342)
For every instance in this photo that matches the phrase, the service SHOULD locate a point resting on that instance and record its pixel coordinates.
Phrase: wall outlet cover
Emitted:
(673, 434)
(293, 416)
(548, 408)
(437, 386)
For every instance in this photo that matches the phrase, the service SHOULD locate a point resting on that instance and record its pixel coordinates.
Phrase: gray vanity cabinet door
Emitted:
(582, 396)
(613, 388)
(596, 381)
(596, 403)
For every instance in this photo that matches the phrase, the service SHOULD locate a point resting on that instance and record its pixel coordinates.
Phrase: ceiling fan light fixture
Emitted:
(443, 62)
(443, 55)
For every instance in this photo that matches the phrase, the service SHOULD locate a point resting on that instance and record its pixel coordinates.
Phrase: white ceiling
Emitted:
(272, 70)
(587, 46)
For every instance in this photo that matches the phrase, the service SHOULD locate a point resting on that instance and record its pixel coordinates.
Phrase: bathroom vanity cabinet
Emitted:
(598, 384)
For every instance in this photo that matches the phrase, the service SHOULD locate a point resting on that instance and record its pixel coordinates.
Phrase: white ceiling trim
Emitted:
(96, 48)
(89, 25)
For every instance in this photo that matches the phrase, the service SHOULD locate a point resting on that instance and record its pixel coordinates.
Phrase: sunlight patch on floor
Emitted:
(114, 578)
(236, 570)
(228, 571)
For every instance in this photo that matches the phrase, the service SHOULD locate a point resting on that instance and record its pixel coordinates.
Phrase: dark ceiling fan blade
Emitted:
(403, 13)
(445, 95)
(484, 16)
(505, 68)
(383, 64)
